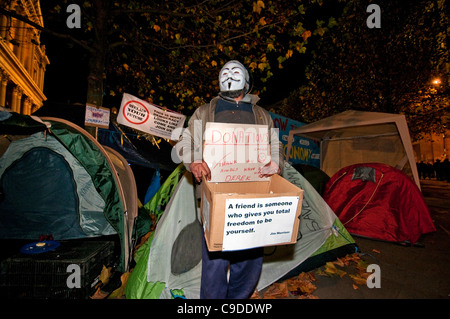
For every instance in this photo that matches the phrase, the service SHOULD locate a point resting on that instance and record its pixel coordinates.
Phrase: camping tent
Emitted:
(56, 179)
(378, 201)
(159, 274)
(353, 137)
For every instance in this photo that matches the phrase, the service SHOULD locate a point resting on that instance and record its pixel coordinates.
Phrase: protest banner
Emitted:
(303, 150)
(149, 118)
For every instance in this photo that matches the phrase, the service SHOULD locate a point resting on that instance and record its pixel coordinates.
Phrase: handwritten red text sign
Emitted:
(236, 152)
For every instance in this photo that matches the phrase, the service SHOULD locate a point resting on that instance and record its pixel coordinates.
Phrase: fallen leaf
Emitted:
(99, 294)
(277, 290)
(307, 297)
(359, 280)
(119, 293)
(355, 286)
(376, 251)
(320, 272)
(255, 295)
(331, 270)
(352, 258)
(105, 274)
(362, 266)
(302, 284)
(340, 262)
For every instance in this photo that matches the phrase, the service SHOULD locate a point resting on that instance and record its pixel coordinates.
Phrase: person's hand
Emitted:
(199, 169)
(270, 169)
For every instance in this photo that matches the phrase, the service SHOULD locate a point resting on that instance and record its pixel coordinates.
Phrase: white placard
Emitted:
(256, 222)
(96, 116)
(236, 152)
(147, 117)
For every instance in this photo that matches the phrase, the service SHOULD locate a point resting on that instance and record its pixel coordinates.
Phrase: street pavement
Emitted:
(406, 272)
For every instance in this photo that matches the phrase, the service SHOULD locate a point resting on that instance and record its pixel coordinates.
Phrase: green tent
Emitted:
(322, 238)
(56, 179)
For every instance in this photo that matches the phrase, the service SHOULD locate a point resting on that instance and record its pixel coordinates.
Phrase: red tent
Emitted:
(378, 201)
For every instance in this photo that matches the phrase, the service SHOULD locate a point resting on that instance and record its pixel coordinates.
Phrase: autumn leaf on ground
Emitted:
(352, 258)
(302, 284)
(105, 274)
(103, 279)
(340, 262)
(277, 290)
(321, 272)
(358, 279)
(255, 295)
(119, 293)
(361, 266)
(307, 297)
(331, 270)
(99, 294)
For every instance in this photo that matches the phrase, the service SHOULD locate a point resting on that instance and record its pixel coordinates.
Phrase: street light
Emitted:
(437, 81)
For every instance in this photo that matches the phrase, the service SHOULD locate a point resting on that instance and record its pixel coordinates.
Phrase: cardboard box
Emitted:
(246, 215)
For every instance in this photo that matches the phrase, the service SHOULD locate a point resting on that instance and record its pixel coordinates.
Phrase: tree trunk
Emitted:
(98, 56)
(95, 78)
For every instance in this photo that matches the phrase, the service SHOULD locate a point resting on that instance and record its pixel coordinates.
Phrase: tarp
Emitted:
(320, 231)
(137, 150)
(353, 137)
(378, 201)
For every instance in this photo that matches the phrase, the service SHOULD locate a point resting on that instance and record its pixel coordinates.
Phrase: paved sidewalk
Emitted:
(418, 272)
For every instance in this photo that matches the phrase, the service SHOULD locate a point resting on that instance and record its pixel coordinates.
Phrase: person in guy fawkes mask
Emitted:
(234, 104)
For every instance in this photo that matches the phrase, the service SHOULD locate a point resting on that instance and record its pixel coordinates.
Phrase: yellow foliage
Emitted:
(289, 54)
(253, 66)
(306, 35)
(258, 6)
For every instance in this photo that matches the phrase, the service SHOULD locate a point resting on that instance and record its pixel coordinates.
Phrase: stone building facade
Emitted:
(23, 60)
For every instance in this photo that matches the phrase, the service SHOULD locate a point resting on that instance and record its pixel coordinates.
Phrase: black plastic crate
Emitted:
(44, 276)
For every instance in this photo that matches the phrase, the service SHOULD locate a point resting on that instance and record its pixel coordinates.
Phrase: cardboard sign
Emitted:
(256, 222)
(96, 116)
(147, 117)
(240, 216)
(236, 152)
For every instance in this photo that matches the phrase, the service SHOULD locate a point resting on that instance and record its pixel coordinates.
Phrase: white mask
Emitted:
(233, 77)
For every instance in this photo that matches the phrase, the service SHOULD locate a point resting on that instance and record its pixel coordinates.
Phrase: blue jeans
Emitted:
(245, 269)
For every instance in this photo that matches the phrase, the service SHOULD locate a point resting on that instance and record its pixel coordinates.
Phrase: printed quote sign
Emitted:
(236, 152)
(148, 118)
(256, 222)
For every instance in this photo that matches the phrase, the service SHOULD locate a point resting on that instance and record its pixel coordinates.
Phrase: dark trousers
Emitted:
(245, 268)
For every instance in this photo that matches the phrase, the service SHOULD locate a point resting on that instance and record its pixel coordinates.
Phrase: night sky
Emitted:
(65, 77)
